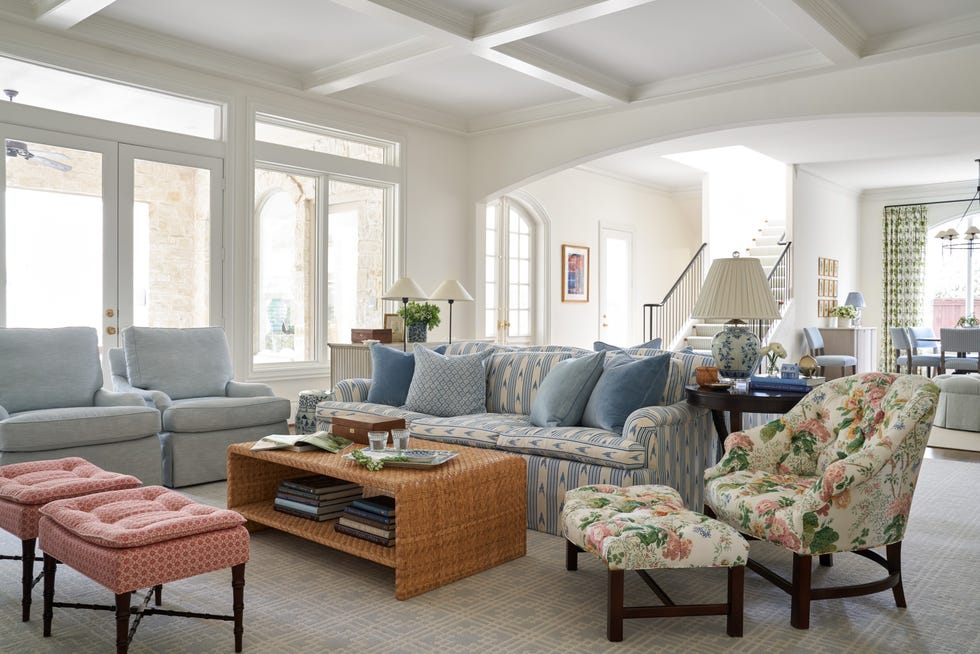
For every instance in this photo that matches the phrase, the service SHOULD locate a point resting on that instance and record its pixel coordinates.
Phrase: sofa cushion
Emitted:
(179, 362)
(55, 429)
(513, 379)
(475, 430)
(48, 368)
(448, 386)
(217, 413)
(585, 444)
(391, 374)
(565, 391)
(626, 385)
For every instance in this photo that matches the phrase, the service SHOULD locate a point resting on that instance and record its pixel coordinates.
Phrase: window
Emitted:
(952, 275)
(324, 234)
(509, 275)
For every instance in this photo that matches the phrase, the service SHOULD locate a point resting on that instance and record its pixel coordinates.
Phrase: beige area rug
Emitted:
(303, 598)
(954, 439)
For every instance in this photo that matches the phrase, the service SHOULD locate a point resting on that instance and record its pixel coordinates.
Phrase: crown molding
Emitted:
(401, 110)
(921, 193)
(534, 114)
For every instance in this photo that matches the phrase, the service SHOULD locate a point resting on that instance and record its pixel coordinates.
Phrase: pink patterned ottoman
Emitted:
(26, 487)
(142, 538)
(648, 527)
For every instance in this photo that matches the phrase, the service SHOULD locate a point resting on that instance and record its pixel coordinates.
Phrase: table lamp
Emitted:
(451, 290)
(736, 290)
(405, 289)
(856, 300)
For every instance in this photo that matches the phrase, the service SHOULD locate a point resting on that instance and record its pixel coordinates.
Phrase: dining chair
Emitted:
(814, 342)
(904, 338)
(900, 344)
(964, 342)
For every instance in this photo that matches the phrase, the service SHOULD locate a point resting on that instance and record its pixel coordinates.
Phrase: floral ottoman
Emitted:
(646, 527)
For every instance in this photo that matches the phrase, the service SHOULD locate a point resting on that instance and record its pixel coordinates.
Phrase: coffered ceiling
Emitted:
(477, 65)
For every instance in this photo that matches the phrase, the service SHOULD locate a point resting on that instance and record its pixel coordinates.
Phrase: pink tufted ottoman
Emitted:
(648, 527)
(26, 487)
(141, 538)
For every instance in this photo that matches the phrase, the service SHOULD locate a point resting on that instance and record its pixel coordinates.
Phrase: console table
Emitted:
(858, 342)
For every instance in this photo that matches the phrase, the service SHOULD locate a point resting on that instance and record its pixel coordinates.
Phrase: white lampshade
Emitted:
(405, 289)
(736, 289)
(855, 299)
(451, 289)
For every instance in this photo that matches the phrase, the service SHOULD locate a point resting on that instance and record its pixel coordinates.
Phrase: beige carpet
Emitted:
(303, 598)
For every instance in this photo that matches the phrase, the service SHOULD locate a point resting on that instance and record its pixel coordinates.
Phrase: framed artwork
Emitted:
(574, 273)
(395, 323)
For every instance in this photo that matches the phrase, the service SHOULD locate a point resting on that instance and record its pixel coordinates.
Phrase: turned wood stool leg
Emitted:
(27, 576)
(238, 602)
(158, 594)
(50, 568)
(736, 600)
(571, 555)
(122, 622)
(799, 615)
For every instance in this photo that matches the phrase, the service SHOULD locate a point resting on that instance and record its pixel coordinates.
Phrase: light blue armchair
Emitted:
(52, 405)
(187, 375)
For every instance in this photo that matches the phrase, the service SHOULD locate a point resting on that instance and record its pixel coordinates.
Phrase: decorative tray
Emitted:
(718, 386)
(416, 458)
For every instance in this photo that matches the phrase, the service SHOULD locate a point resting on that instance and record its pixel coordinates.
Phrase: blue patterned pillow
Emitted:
(391, 374)
(448, 385)
(626, 385)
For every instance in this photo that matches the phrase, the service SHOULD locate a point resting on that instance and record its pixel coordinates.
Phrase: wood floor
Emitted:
(954, 455)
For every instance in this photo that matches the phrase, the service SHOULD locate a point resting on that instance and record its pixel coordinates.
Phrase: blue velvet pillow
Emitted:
(655, 344)
(391, 374)
(565, 391)
(626, 385)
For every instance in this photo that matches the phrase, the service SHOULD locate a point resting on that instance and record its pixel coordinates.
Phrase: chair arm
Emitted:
(247, 389)
(758, 448)
(117, 398)
(352, 390)
(156, 399)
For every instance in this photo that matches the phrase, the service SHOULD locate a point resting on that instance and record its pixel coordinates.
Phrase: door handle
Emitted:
(110, 330)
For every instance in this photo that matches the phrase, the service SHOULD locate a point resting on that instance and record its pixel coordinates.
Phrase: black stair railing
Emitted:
(668, 318)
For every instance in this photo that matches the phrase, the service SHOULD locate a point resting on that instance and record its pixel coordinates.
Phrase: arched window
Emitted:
(513, 275)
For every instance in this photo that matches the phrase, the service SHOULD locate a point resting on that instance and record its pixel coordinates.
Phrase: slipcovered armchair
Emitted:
(835, 474)
(52, 405)
(187, 375)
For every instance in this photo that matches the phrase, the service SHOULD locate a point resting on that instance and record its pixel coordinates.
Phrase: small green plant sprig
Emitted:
(425, 313)
(968, 321)
(371, 463)
(844, 311)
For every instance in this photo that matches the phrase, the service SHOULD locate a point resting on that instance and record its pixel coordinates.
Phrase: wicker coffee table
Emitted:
(454, 520)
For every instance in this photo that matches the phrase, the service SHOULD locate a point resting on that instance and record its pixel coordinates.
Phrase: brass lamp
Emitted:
(736, 290)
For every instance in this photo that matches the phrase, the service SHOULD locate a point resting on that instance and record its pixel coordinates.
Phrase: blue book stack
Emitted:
(757, 383)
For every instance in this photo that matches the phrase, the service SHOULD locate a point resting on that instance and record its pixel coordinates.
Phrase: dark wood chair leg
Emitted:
(736, 600)
(827, 560)
(122, 622)
(238, 602)
(614, 617)
(50, 568)
(893, 553)
(158, 594)
(571, 555)
(27, 576)
(799, 615)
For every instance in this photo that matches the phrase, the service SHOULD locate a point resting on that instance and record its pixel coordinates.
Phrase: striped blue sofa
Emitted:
(670, 444)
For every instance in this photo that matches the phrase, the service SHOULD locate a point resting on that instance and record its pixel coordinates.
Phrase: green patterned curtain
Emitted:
(903, 271)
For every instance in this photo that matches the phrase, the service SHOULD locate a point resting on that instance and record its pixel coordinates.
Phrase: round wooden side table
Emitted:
(735, 404)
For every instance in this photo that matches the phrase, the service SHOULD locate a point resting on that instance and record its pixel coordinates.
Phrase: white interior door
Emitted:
(615, 285)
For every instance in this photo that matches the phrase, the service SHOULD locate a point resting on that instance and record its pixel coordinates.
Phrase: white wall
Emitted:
(664, 239)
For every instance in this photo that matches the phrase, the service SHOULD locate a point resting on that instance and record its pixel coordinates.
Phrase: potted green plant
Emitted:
(968, 321)
(419, 319)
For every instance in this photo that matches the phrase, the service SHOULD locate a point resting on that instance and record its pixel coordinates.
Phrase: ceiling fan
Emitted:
(19, 148)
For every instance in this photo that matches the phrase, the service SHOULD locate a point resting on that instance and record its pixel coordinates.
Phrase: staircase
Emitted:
(767, 247)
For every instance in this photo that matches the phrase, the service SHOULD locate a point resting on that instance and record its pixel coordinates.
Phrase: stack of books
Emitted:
(800, 385)
(316, 497)
(372, 519)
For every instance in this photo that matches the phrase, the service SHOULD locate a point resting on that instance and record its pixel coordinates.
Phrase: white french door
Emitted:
(510, 273)
(102, 234)
(615, 285)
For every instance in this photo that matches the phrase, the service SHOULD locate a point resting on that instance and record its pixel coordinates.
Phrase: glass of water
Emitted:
(399, 439)
(378, 440)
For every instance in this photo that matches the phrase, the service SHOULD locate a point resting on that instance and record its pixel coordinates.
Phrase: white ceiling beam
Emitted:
(545, 67)
(379, 64)
(64, 14)
(527, 19)
(421, 15)
(821, 24)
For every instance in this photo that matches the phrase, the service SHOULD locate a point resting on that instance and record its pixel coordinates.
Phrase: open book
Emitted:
(320, 440)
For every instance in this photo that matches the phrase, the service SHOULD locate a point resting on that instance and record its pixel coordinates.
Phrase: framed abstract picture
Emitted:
(574, 273)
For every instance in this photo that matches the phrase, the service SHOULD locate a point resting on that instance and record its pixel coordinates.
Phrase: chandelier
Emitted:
(971, 237)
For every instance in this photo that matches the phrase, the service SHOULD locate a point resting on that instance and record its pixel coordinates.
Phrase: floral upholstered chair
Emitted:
(835, 474)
